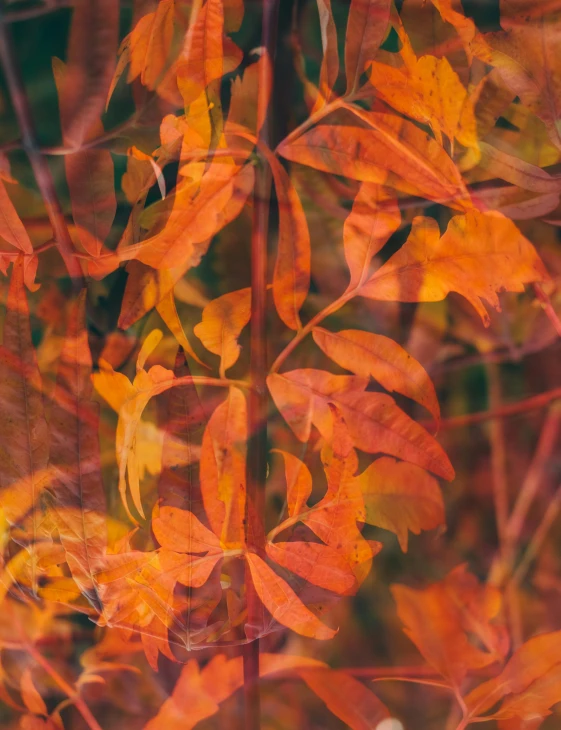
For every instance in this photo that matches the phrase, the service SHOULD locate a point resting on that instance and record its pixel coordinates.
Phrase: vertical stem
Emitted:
(257, 446)
(38, 163)
(500, 495)
(498, 457)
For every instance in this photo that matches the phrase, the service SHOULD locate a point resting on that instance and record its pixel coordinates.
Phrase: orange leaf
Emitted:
(223, 320)
(291, 278)
(347, 698)
(223, 467)
(431, 92)
(319, 564)
(525, 53)
(298, 482)
(330, 63)
(393, 152)
(368, 354)
(529, 684)
(179, 530)
(150, 43)
(282, 603)
(400, 497)
(201, 208)
(441, 619)
(168, 312)
(374, 421)
(480, 254)
(201, 61)
(366, 29)
(199, 691)
(373, 219)
(130, 400)
(30, 695)
(12, 229)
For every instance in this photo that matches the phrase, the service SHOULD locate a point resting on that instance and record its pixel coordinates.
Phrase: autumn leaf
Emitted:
(373, 219)
(347, 698)
(298, 483)
(524, 52)
(201, 61)
(291, 278)
(282, 602)
(201, 208)
(319, 564)
(430, 92)
(130, 400)
(30, 694)
(442, 618)
(480, 254)
(150, 43)
(393, 152)
(366, 29)
(529, 684)
(12, 229)
(400, 497)
(330, 63)
(223, 466)
(199, 692)
(368, 354)
(374, 421)
(333, 519)
(223, 320)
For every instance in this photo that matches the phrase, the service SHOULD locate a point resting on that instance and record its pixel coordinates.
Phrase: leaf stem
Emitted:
(38, 163)
(527, 404)
(319, 317)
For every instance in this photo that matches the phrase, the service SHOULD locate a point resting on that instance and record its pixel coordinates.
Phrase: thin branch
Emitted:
(500, 570)
(498, 456)
(538, 539)
(532, 403)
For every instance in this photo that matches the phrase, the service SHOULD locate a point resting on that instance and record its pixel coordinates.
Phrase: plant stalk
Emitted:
(257, 406)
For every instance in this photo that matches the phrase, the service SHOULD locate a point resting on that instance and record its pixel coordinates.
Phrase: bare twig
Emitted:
(532, 403)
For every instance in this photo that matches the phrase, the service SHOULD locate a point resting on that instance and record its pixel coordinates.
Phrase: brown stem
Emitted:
(257, 406)
(538, 539)
(500, 570)
(498, 456)
(527, 404)
(39, 165)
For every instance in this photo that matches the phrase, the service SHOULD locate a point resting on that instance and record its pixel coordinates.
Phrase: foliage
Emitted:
(227, 327)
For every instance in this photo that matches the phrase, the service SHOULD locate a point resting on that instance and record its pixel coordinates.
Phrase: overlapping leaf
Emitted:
(375, 422)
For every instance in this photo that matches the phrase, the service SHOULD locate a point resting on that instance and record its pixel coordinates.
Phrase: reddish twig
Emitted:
(532, 403)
